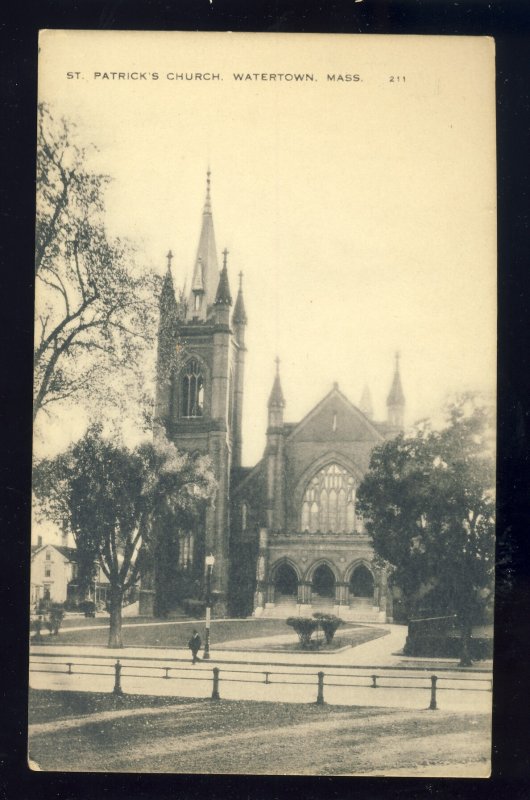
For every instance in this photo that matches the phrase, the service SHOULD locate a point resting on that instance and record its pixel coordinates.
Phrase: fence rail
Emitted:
(260, 676)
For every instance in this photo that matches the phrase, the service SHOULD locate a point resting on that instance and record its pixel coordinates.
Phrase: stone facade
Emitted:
(285, 534)
(313, 552)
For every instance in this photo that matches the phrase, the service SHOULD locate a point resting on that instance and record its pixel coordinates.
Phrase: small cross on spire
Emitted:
(277, 360)
(398, 356)
(240, 280)
(169, 257)
(225, 254)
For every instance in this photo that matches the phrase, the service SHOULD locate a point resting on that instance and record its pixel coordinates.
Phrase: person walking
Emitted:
(195, 645)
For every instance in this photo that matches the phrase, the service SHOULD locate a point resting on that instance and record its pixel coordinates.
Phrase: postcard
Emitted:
(265, 360)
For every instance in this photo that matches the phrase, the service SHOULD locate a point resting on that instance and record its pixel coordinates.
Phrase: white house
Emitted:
(52, 569)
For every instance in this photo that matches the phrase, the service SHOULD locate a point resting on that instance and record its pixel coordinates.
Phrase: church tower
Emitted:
(274, 454)
(395, 402)
(199, 392)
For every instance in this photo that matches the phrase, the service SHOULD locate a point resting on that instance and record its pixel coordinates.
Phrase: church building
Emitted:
(286, 535)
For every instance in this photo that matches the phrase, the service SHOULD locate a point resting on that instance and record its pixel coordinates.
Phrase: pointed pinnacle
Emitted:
(207, 202)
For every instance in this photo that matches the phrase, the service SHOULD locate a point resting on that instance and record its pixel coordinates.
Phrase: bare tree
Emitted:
(93, 314)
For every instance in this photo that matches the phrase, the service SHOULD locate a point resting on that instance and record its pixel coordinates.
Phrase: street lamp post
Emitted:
(210, 561)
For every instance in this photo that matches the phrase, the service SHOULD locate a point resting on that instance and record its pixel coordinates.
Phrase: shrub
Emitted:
(36, 625)
(304, 627)
(43, 605)
(194, 608)
(329, 624)
(55, 618)
(88, 608)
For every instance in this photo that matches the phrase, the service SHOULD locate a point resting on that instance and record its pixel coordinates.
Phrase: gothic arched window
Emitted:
(192, 388)
(329, 501)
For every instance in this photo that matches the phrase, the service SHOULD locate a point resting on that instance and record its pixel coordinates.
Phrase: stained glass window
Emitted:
(192, 390)
(329, 501)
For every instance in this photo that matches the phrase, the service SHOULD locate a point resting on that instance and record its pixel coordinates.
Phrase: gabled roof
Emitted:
(68, 552)
(336, 400)
(241, 480)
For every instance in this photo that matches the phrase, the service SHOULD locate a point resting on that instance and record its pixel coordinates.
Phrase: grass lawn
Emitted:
(150, 633)
(101, 619)
(91, 732)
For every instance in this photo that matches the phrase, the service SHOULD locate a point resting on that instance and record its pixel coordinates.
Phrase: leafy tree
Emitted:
(428, 501)
(93, 315)
(114, 500)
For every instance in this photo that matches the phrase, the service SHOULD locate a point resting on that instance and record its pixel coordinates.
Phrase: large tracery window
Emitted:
(329, 501)
(192, 386)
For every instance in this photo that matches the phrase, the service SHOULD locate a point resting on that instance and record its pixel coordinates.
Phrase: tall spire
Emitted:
(223, 296)
(207, 202)
(239, 316)
(396, 399)
(205, 270)
(276, 396)
(365, 404)
(167, 295)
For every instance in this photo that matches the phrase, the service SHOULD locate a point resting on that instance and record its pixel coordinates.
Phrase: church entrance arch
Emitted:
(361, 584)
(285, 584)
(323, 586)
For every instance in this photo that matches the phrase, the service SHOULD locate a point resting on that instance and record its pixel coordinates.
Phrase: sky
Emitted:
(362, 213)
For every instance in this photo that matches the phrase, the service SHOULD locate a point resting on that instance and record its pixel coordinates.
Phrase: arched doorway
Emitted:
(361, 586)
(323, 586)
(285, 584)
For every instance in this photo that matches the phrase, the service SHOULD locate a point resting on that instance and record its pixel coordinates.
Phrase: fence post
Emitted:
(433, 705)
(267, 677)
(215, 690)
(320, 694)
(374, 684)
(69, 665)
(117, 678)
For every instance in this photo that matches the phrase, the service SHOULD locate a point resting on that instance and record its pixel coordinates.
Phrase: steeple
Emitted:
(365, 404)
(167, 301)
(396, 399)
(239, 316)
(276, 399)
(223, 296)
(206, 270)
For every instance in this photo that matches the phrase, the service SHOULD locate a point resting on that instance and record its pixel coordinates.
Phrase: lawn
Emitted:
(152, 633)
(101, 733)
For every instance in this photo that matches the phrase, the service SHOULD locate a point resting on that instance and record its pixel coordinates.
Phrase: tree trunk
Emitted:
(115, 604)
(465, 653)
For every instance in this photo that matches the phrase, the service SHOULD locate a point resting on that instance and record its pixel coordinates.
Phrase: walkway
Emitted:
(292, 676)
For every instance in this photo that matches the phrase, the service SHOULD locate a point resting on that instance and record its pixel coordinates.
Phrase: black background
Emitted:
(509, 23)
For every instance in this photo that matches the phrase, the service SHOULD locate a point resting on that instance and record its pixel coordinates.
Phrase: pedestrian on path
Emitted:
(195, 645)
